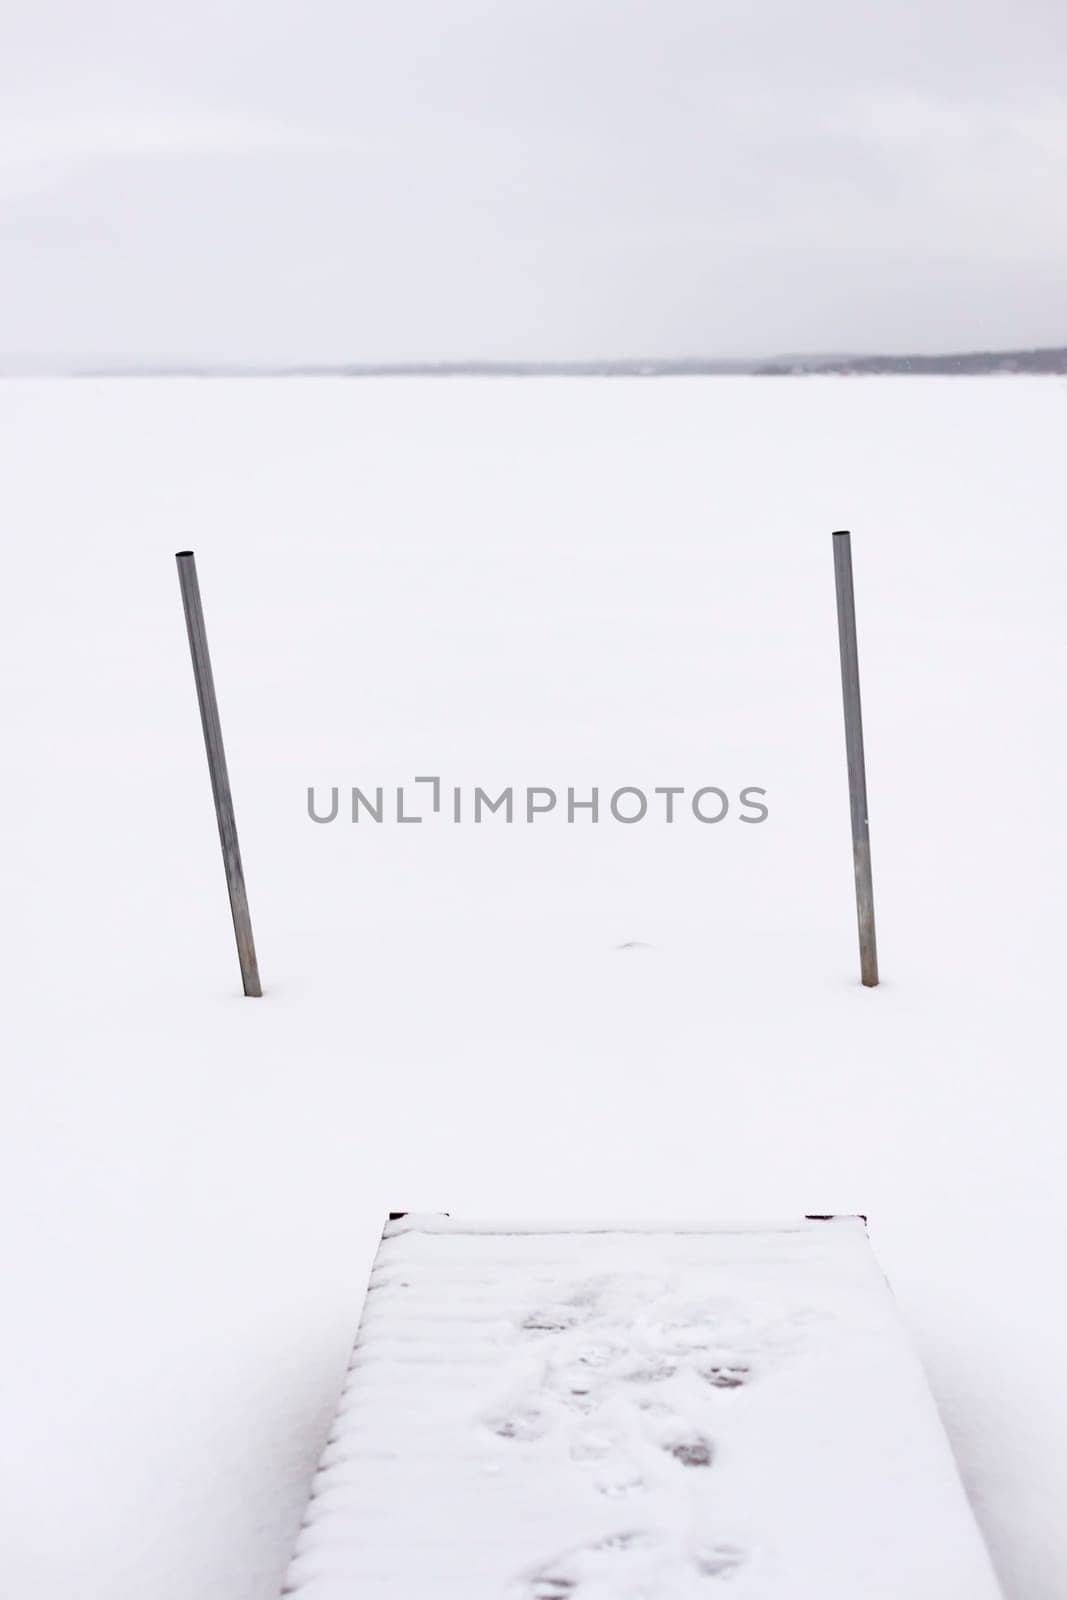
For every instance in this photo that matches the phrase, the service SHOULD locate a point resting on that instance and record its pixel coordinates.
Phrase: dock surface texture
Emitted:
(635, 1412)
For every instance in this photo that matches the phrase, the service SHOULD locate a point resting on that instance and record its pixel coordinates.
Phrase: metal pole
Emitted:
(220, 780)
(857, 771)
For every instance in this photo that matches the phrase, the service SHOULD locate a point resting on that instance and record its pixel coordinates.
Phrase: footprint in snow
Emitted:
(630, 1566)
(692, 1451)
(523, 1424)
(656, 1370)
(727, 1374)
(719, 1561)
(618, 1565)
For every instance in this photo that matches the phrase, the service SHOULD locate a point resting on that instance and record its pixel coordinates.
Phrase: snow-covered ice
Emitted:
(570, 1412)
(560, 583)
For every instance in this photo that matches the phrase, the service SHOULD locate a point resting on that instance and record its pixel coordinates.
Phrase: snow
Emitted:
(530, 583)
(635, 1415)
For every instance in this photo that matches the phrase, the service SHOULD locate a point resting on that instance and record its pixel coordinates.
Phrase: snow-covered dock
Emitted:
(643, 1412)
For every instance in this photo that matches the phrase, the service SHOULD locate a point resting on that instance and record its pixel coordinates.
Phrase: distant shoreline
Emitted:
(1047, 362)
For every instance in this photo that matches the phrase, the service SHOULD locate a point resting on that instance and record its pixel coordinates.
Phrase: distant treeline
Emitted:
(976, 363)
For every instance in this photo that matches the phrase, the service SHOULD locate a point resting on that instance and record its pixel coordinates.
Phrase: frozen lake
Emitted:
(550, 584)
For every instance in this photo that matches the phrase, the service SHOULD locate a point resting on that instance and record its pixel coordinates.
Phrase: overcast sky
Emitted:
(334, 180)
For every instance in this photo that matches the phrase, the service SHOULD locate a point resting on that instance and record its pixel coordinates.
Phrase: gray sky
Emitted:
(338, 180)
